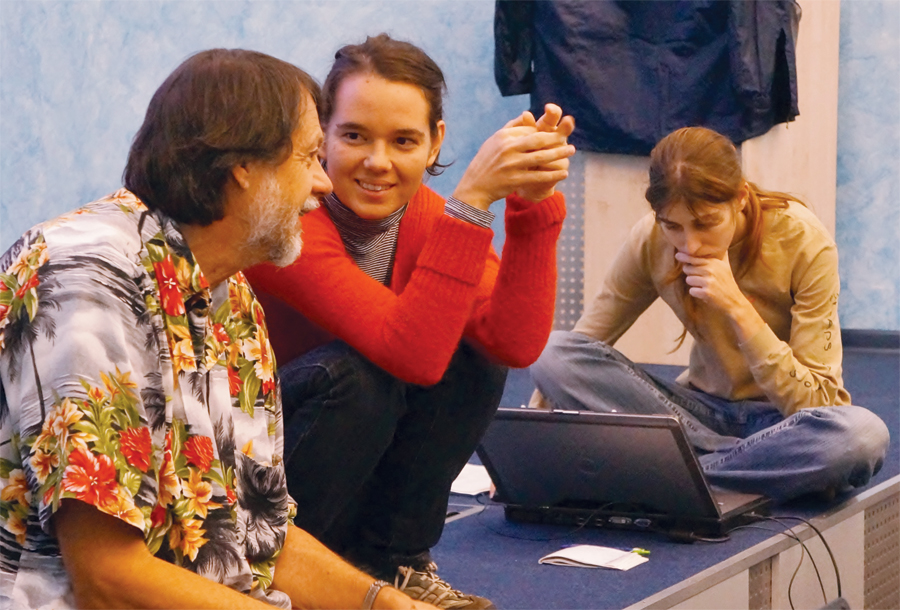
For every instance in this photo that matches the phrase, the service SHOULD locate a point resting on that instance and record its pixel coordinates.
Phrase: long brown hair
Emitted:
(700, 167)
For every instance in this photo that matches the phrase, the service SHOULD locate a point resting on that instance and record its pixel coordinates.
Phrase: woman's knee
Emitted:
(572, 357)
(469, 363)
(869, 432)
(335, 375)
(554, 361)
(858, 440)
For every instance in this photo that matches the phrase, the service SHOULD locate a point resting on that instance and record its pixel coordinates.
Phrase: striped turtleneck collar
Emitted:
(355, 229)
(370, 243)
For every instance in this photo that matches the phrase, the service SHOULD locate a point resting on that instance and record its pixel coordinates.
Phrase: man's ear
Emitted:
(241, 175)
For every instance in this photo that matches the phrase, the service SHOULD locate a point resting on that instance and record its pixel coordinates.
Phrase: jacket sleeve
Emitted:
(513, 314)
(412, 335)
(513, 46)
(762, 39)
(627, 290)
(804, 371)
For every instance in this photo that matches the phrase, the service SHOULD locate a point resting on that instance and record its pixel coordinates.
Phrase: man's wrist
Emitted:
(374, 589)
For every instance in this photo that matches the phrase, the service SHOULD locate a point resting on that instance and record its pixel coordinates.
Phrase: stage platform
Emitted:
(482, 552)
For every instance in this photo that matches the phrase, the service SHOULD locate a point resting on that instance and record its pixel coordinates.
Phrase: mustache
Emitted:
(309, 205)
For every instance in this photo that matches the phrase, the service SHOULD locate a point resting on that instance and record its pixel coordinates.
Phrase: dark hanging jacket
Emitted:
(632, 71)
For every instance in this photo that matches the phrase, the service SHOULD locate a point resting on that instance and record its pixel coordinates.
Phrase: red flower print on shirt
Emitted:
(158, 515)
(234, 381)
(135, 444)
(199, 451)
(220, 334)
(169, 292)
(91, 477)
(32, 282)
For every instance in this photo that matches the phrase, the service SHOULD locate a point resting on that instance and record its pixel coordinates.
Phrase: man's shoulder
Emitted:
(111, 223)
(107, 231)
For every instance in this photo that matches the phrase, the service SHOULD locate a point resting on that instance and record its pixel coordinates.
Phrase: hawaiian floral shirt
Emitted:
(129, 384)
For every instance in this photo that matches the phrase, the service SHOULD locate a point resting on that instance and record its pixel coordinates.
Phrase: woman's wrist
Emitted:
(472, 197)
(746, 322)
(536, 195)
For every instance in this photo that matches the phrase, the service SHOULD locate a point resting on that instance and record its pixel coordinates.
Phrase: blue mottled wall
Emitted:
(868, 164)
(75, 79)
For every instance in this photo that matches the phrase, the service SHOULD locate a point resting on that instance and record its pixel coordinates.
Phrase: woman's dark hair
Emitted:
(700, 167)
(392, 60)
(218, 109)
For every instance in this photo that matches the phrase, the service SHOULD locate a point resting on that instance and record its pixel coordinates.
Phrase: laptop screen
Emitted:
(542, 458)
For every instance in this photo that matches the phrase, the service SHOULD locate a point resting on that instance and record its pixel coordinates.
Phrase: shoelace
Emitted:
(436, 583)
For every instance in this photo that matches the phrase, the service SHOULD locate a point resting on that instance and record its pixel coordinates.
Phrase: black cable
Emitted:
(804, 551)
(837, 573)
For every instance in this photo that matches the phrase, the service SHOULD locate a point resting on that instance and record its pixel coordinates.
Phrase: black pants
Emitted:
(370, 458)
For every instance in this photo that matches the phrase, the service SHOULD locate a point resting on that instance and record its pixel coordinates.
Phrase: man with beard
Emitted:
(140, 425)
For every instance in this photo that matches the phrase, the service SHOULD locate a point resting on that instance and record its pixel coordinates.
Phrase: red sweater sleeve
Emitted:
(447, 281)
(411, 335)
(513, 313)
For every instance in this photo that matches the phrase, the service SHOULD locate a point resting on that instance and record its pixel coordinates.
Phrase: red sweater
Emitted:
(447, 283)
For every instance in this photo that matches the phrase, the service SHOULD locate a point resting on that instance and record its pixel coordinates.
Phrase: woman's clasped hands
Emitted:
(526, 156)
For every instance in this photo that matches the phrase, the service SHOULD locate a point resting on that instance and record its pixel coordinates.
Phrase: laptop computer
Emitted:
(607, 470)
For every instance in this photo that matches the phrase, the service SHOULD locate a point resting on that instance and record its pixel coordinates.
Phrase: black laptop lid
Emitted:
(542, 458)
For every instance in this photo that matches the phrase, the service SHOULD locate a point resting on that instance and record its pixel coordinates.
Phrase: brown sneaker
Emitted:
(425, 585)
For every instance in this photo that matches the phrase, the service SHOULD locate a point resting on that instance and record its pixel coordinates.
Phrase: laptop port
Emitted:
(642, 522)
(620, 520)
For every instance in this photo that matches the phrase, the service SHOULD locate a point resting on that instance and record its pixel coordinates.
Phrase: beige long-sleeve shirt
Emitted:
(794, 362)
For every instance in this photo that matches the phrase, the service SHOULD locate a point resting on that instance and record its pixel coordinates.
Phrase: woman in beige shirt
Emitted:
(753, 276)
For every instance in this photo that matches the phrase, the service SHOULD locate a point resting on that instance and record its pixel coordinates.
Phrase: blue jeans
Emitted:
(743, 445)
(370, 459)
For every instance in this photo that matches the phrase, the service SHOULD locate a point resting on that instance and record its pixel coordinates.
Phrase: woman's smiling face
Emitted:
(378, 144)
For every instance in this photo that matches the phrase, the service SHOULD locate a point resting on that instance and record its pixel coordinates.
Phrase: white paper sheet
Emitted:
(472, 481)
(590, 556)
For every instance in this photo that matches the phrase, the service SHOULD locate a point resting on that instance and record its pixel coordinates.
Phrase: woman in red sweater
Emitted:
(395, 327)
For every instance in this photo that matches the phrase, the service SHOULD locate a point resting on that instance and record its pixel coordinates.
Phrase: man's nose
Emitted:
(321, 182)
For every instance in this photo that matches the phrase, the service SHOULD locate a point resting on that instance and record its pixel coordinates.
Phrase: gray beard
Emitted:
(274, 235)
